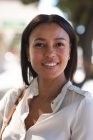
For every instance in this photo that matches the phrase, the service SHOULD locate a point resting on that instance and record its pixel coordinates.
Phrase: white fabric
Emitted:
(71, 119)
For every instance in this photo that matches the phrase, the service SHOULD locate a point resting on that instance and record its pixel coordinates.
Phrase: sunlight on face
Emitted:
(49, 50)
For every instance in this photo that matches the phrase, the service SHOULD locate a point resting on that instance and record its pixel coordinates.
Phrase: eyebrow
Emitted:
(60, 38)
(42, 39)
(39, 38)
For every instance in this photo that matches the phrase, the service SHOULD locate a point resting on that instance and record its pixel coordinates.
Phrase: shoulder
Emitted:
(13, 94)
(80, 96)
(78, 91)
(9, 98)
(82, 101)
(83, 117)
(76, 96)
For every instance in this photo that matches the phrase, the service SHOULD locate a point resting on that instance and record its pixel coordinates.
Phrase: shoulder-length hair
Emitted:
(27, 70)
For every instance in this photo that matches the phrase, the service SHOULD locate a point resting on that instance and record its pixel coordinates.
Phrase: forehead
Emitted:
(52, 29)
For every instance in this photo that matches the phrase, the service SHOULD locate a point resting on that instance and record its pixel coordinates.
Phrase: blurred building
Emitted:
(14, 16)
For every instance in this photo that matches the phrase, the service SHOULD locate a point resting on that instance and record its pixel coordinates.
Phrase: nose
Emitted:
(50, 52)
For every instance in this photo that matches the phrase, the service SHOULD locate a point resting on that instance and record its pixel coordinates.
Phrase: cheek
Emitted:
(35, 57)
(64, 53)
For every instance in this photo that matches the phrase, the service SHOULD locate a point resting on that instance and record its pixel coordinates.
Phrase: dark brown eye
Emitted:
(59, 44)
(40, 45)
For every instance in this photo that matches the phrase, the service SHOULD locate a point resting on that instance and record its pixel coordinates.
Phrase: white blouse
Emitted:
(71, 119)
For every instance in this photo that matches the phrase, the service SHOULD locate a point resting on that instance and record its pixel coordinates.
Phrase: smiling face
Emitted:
(49, 50)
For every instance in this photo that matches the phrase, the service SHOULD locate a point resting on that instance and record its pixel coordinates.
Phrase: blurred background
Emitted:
(16, 14)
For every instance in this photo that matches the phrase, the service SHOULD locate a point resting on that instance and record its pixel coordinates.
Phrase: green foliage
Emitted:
(78, 10)
(29, 1)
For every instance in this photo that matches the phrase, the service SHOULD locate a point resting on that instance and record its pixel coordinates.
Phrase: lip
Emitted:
(52, 64)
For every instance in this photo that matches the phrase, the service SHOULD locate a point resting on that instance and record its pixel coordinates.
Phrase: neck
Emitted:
(49, 89)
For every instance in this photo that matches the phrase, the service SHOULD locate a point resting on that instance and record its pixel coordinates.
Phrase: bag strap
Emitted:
(11, 112)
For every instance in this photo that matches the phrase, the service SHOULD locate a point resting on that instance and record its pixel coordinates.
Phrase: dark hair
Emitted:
(27, 70)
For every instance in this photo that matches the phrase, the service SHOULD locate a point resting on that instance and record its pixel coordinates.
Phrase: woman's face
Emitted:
(49, 50)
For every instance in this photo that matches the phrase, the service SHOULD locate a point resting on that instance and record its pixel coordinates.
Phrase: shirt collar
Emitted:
(55, 104)
(33, 88)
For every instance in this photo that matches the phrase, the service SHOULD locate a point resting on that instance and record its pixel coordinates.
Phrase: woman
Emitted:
(52, 108)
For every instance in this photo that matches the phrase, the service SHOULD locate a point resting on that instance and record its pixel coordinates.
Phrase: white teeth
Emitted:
(50, 64)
